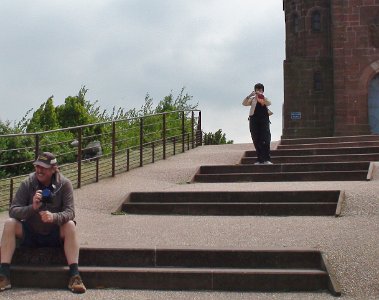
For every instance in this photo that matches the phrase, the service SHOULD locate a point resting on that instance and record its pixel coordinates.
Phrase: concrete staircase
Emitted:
(266, 270)
(270, 203)
(321, 159)
(179, 269)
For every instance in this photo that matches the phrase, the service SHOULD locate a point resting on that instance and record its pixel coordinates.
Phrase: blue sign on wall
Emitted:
(373, 105)
(295, 115)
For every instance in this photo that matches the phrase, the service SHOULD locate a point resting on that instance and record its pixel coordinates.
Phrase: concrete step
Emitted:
(179, 269)
(234, 196)
(319, 151)
(315, 158)
(235, 209)
(285, 168)
(156, 278)
(335, 139)
(358, 175)
(330, 145)
(297, 203)
(335, 171)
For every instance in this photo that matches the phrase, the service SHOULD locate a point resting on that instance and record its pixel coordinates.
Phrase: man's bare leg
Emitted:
(71, 243)
(12, 230)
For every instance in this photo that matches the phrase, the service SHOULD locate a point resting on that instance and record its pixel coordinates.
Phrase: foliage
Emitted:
(216, 138)
(44, 118)
(180, 103)
(18, 151)
(59, 143)
(5, 128)
(77, 111)
(14, 151)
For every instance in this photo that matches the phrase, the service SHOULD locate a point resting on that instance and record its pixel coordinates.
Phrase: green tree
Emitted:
(182, 102)
(44, 118)
(15, 151)
(5, 128)
(217, 138)
(76, 111)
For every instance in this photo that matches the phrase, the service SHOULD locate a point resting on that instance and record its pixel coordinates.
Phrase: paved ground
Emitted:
(350, 241)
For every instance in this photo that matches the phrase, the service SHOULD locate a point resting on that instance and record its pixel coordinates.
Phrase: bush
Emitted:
(216, 138)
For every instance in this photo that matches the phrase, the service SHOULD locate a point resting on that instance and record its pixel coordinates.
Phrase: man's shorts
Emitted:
(36, 240)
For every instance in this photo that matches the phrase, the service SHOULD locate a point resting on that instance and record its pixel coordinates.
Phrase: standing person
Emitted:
(259, 123)
(42, 215)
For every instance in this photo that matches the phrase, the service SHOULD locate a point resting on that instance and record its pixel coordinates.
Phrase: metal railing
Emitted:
(90, 152)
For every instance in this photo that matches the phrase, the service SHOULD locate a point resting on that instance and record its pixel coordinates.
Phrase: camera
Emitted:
(47, 196)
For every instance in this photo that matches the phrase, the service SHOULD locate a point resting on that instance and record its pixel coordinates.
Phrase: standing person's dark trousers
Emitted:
(261, 135)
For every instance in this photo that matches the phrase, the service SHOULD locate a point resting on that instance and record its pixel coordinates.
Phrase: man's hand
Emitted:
(46, 216)
(37, 200)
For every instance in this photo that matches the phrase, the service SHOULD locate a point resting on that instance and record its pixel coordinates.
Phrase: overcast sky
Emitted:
(123, 49)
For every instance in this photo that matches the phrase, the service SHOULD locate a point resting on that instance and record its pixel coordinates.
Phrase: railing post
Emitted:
(97, 169)
(141, 143)
(183, 131)
(164, 135)
(36, 151)
(79, 157)
(199, 137)
(127, 159)
(193, 129)
(152, 152)
(113, 149)
(11, 192)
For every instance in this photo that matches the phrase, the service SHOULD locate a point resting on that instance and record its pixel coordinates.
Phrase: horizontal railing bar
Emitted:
(89, 125)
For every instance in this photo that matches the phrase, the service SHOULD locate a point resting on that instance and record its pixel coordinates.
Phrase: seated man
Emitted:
(41, 215)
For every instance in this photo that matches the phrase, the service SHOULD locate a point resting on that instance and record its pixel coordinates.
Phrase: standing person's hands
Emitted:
(261, 99)
(252, 94)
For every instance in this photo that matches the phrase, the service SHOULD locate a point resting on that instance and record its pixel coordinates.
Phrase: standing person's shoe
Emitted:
(267, 162)
(258, 163)
(5, 283)
(76, 285)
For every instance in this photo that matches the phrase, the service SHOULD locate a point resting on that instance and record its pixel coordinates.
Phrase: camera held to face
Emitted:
(47, 196)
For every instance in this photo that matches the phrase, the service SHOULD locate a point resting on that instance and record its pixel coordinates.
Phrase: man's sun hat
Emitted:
(46, 160)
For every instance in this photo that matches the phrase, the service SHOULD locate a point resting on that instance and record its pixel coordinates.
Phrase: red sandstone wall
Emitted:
(308, 52)
(346, 53)
(356, 57)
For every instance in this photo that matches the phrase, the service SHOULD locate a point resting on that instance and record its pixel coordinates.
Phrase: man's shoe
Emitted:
(258, 163)
(267, 162)
(76, 285)
(5, 283)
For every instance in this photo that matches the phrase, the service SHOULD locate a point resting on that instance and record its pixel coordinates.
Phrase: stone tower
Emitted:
(331, 86)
